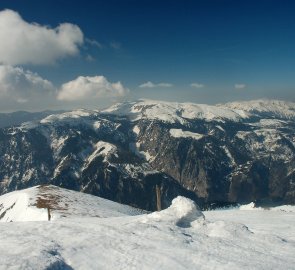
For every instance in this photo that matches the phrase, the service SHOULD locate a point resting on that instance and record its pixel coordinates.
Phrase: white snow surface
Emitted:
(71, 118)
(179, 133)
(278, 108)
(67, 116)
(180, 237)
(15, 206)
(31, 205)
(104, 149)
(136, 130)
(174, 112)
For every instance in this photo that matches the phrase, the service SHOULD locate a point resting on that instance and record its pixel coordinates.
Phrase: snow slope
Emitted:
(274, 108)
(31, 205)
(277, 223)
(179, 133)
(179, 237)
(173, 112)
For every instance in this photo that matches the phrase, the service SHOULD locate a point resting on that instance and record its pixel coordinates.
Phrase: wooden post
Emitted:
(158, 194)
(48, 212)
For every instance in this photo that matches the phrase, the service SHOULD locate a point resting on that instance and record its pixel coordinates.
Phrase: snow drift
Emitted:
(181, 213)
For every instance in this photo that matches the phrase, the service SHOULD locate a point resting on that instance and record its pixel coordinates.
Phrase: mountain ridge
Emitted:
(125, 152)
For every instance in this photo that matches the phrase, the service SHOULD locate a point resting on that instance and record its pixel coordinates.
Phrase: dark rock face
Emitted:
(124, 157)
(222, 167)
(76, 155)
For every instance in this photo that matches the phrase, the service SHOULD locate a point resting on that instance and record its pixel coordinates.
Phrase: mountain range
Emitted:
(145, 153)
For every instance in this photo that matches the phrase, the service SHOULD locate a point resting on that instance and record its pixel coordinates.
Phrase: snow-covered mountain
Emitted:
(171, 112)
(87, 232)
(267, 108)
(16, 118)
(178, 112)
(238, 151)
(235, 152)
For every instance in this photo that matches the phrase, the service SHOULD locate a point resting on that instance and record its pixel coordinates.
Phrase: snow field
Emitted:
(179, 237)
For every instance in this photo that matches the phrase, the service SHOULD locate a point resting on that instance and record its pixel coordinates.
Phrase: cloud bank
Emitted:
(153, 85)
(21, 86)
(23, 43)
(23, 89)
(30, 43)
(89, 88)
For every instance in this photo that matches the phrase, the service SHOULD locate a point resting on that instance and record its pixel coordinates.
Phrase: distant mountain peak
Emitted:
(274, 108)
(179, 112)
(174, 111)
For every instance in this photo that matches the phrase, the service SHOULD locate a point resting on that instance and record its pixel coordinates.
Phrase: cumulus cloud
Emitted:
(197, 85)
(31, 43)
(23, 86)
(240, 85)
(153, 85)
(89, 88)
(23, 89)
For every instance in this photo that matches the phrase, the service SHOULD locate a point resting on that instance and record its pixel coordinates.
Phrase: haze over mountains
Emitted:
(232, 153)
(16, 118)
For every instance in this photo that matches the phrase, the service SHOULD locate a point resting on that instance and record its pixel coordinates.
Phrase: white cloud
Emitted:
(89, 88)
(23, 89)
(147, 85)
(240, 86)
(31, 43)
(197, 85)
(17, 84)
(94, 43)
(153, 85)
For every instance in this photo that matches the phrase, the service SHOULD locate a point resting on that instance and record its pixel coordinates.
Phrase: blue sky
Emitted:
(228, 50)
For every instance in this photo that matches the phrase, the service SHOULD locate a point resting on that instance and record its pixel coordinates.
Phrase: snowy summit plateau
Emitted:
(88, 232)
